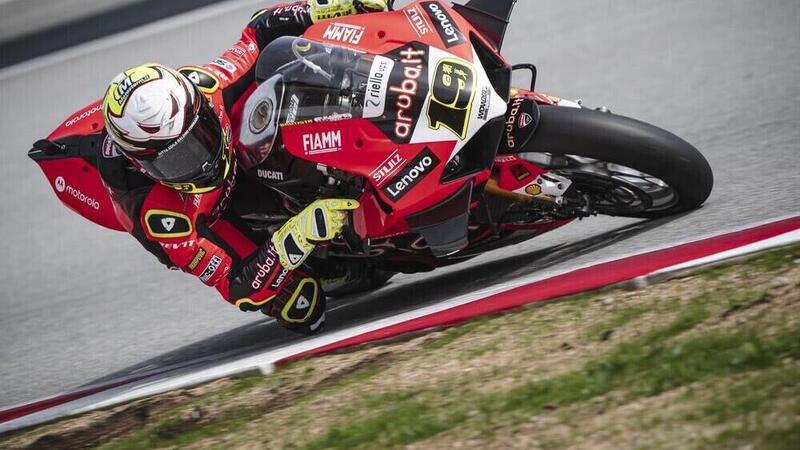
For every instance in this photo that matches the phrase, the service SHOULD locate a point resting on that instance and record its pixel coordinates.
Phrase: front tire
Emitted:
(582, 135)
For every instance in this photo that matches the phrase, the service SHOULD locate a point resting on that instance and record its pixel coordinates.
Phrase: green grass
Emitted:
(450, 335)
(404, 421)
(646, 366)
(356, 378)
(784, 438)
(755, 395)
(745, 371)
(618, 319)
(178, 431)
(776, 259)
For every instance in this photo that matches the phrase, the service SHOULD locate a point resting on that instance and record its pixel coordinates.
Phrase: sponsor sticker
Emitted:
(377, 85)
(197, 259)
(525, 119)
(122, 87)
(236, 50)
(519, 171)
(167, 224)
(219, 74)
(291, 9)
(500, 159)
(61, 186)
(109, 150)
(443, 22)
(406, 91)
(294, 106)
(177, 245)
(416, 171)
(264, 269)
(203, 79)
(533, 189)
(276, 284)
(83, 115)
(418, 21)
(222, 200)
(513, 116)
(225, 64)
(485, 104)
(345, 33)
(521, 120)
(333, 118)
(272, 175)
(388, 167)
(323, 142)
(210, 269)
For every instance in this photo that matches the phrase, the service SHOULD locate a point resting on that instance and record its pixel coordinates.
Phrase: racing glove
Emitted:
(331, 9)
(321, 221)
(300, 305)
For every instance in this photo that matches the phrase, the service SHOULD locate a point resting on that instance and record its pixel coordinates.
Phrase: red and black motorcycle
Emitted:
(412, 112)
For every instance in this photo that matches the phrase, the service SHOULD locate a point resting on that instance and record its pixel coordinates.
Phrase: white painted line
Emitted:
(767, 244)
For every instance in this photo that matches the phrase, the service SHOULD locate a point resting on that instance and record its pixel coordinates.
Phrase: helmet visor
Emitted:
(194, 156)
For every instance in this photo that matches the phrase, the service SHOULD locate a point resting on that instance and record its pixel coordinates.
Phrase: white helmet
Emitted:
(165, 126)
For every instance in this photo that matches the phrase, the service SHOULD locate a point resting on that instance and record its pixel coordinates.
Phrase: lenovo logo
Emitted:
(411, 175)
(448, 32)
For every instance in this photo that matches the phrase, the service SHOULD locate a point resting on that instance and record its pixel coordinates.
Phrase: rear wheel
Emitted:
(620, 166)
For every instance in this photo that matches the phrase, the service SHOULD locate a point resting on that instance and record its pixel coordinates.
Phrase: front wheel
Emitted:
(620, 166)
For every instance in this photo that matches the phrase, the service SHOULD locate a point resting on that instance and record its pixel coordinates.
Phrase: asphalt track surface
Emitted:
(80, 304)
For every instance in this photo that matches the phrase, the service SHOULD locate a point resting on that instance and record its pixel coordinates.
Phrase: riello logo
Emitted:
(62, 186)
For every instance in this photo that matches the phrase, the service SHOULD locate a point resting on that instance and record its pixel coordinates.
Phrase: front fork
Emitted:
(517, 178)
(521, 175)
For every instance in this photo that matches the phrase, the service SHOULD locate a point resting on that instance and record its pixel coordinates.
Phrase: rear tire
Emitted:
(631, 143)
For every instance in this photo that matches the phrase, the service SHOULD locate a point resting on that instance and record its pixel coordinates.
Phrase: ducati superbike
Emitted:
(412, 112)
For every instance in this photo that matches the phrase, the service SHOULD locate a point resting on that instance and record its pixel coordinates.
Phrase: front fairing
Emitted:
(398, 119)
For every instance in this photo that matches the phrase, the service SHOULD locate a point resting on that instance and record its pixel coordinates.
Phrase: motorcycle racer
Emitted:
(174, 188)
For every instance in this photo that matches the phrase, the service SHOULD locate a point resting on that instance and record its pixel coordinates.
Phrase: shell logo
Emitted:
(533, 189)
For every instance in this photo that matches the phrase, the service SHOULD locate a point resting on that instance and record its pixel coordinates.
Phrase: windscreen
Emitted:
(301, 81)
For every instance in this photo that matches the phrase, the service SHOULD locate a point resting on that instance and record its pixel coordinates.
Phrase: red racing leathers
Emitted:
(194, 232)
